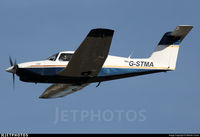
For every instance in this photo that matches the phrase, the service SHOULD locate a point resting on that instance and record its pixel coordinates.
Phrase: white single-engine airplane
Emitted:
(71, 71)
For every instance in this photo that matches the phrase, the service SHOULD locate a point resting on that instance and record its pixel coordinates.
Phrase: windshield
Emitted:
(53, 57)
(65, 57)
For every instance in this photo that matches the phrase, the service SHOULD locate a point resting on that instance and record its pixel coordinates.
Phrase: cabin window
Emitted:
(65, 57)
(53, 57)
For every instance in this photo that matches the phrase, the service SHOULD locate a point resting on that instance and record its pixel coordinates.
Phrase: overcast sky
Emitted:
(157, 103)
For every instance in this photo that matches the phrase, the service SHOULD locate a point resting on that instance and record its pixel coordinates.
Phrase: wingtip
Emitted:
(43, 96)
(186, 25)
(47, 97)
(101, 32)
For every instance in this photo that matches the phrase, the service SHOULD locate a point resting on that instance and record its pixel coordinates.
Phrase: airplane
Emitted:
(70, 71)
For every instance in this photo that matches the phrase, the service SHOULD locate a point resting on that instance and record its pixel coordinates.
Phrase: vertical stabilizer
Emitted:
(166, 52)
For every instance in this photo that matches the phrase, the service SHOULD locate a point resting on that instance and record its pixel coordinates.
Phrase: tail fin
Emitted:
(166, 52)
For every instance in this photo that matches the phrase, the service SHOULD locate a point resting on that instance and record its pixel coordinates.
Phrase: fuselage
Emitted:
(46, 71)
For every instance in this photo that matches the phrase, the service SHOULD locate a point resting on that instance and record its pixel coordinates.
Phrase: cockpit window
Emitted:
(53, 57)
(65, 57)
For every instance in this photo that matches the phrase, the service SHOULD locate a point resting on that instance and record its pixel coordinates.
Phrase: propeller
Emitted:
(13, 70)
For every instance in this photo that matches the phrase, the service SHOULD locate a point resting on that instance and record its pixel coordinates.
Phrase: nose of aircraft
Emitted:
(11, 70)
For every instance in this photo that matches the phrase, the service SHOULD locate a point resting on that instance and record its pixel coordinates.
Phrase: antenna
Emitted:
(130, 55)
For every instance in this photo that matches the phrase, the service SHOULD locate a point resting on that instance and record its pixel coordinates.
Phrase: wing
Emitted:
(89, 58)
(61, 90)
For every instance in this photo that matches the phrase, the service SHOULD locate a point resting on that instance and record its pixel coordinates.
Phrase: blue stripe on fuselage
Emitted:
(104, 71)
(119, 71)
(45, 71)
